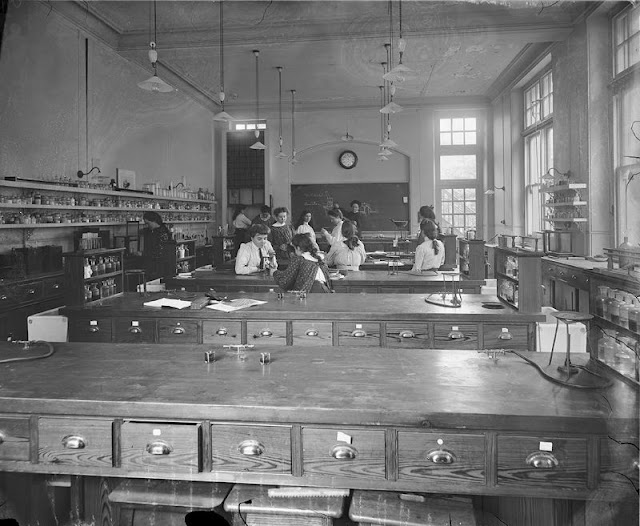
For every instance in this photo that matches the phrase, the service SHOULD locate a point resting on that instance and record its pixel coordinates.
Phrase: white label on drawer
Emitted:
(156, 432)
(343, 437)
(504, 329)
(454, 328)
(135, 324)
(358, 325)
(546, 446)
(93, 322)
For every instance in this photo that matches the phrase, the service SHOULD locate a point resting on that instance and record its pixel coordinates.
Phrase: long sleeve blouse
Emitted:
(250, 257)
(281, 236)
(344, 258)
(426, 258)
(301, 274)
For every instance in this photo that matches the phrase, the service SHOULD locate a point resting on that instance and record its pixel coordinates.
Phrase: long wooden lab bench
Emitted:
(380, 320)
(373, 419)
(368, 281)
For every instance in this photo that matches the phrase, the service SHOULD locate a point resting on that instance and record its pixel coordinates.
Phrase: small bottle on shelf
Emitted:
(95, 292)
(634, 317)
(601, 300)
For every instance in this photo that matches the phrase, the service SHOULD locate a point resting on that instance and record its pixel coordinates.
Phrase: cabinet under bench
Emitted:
(381, 320)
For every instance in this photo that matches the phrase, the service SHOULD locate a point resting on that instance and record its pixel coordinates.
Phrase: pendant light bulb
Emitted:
(257, 145)
(222, 115)
(153, 54)
(402, 45)
(154, 83)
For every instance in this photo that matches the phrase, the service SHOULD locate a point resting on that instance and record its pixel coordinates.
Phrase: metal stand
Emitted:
(446, 298)
(568, 317)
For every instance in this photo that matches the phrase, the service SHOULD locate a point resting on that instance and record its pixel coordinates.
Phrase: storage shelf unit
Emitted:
(224, 249)
(76, 281)
(471, 260)
(519, 278)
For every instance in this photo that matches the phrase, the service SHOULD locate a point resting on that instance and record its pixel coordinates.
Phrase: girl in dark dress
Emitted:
(306, 270)
(158, 245)
(281, 233)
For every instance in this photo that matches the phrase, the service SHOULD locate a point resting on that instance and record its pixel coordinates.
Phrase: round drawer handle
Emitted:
(2, 438)
(31, 291)
(159, 447)
(456, 335)
(251, 448)
(94, 328)
(222, 331)
(358, 333)
(344, 452)
(135, 330)
(574, 277)
(56, 286)
(266, 333)
(407, 334)
(542, 460)
(312, 332)
(74, 442)
(178, 330)
(4, 298)
(441, 456)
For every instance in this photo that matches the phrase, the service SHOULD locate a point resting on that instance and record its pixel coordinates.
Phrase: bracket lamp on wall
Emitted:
(492, 191)
(154, 83)
(81, 174)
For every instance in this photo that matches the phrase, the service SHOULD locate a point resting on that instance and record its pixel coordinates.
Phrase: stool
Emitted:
(140, 279)
(252, 506)
(369, 508)
(143, 502)
(568, 317)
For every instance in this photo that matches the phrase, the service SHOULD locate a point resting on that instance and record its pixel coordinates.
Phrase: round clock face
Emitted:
(348, 159)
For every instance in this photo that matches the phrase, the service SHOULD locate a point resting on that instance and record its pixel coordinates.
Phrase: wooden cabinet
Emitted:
(471, 258)
(185, 256)
(224, 249)
(519, 278)
(93, 274)
(565, 287)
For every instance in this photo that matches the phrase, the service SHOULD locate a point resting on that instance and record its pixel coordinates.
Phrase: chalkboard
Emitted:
(381, 202)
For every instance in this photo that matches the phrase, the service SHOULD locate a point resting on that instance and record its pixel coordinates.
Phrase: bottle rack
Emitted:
(565, 206)
(518, 274)
(471, 260)
(93, 274)
(185, 256)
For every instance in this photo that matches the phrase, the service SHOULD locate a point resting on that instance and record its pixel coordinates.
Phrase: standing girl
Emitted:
(304, 225)
(281, 233)
(241, 224)
(429, 253)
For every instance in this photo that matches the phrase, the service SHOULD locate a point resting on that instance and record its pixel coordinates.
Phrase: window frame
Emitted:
(626, 41)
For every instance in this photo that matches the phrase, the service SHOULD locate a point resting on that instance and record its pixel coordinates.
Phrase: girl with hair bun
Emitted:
(349, 253)
(429, 253)
(306, 270)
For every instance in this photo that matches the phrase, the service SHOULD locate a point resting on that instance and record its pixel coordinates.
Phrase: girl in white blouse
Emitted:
(304, 225)
(257, 255)
(349, 253)
(429, 253)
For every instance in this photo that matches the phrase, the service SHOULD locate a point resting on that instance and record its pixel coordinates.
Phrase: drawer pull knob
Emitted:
(344, 452)
(31, 291)
(542, 460)
(159, 447)
(251, 448)
(222, 331)
(505, 334)
(4, 298)
(455, 334)
(359, 333)
(135, 330)
(574, 277)
(93, 328)
(312, 332)
(1, 438)
(266, 333)
(441, 456)
(74, 442)
(407, 334)
(56, 286)
(178, 330)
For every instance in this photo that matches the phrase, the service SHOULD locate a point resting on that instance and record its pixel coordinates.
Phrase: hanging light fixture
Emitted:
(397, 74)
(347, 137)
(257, 145)
(222, 115)
(281, 154)
(390, 107)
(387, 142)
(154, 83)
(382, 154)
(294, 159)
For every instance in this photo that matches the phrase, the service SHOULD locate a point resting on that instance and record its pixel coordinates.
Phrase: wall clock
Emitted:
(348, 159)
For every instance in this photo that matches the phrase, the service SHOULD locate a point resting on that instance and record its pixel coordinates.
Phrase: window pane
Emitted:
(458, 138)
(470, 194)
(446, 194)
(262, 126)
(457, 124)
(251, 126)
(446, 207)
(457, 167)
(458, 194)
(445, 139)
(470, 138)
(471, 221)
(470, 207)
(240, 127)
(458, 207)
(445, 124)
(458, 221)
(446, 219)
(470, 123)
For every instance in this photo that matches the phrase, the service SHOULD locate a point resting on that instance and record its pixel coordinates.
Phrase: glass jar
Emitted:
(607, 304)
(624, 311)
(601, 300)
(614, 308)
(634, 317)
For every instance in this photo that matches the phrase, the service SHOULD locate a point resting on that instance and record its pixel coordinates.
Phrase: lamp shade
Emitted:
(223, 116)
(156, 84)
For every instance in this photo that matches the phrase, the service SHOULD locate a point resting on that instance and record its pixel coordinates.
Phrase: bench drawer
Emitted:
(312, 333)
(178, 331)
(359, 334)
(267, 332)
(408, 335)
(458, 336)
(14, 438)
(523, 461)
(494, 334)
(261, 449)
(96, 330)
(222, 332)
(134, 330)
(160, 447)
(452, 458)
(75, 442)
(324, 454)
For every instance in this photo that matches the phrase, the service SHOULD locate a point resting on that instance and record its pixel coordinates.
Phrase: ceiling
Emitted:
(331, 51)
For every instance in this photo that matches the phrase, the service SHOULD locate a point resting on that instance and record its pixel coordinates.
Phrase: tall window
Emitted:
(538, 146)
(457, 166)
(626, 39)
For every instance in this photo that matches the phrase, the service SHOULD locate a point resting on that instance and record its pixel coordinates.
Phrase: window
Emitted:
(248, 125)
(458, 173)
(626, 39)
(538, 147)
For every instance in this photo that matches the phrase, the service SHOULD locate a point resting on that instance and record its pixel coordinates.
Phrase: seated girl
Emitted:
(306, 271)
(349, 253)
(257, 255)
(429, 253)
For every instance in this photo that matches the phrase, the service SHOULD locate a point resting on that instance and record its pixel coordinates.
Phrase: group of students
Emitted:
(272, 239)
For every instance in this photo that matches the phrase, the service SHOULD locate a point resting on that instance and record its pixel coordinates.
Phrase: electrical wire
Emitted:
(607, 383)
(50, 352)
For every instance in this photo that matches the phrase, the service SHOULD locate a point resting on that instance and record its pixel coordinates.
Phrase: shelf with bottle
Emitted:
(18, 221)
(88, 270)
(471, 259)
(518, 275)
(185, 255)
